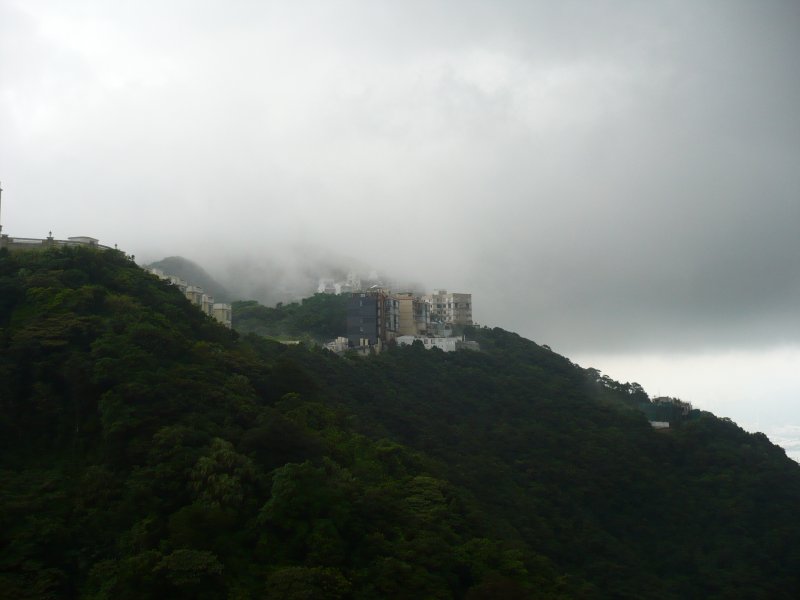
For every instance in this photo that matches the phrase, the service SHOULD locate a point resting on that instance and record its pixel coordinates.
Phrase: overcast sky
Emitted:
(619, 180)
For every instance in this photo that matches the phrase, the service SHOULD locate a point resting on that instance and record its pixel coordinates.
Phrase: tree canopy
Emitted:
(320, 318)
(149, 452)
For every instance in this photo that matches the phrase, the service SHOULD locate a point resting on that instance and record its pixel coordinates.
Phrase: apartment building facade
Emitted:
(414, 314)
(450, 308)
(373, 317)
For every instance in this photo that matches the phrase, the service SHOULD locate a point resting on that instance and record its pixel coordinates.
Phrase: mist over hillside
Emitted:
(193, 274)
(274, 278)
(146, 451)
(618, 180)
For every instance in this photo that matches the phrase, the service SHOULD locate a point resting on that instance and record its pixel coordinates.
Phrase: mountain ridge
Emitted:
(147, 451)
(194, 274)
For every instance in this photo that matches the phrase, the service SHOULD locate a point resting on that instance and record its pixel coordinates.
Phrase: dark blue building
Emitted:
(363, 319)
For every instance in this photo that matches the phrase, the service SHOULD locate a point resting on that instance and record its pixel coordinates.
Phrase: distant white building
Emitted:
(339, 345)
(353, 283)
(348, 286)
(446, 344)
(84, 240)
(223, 313)
(450, 308)
(196, 295)
(326, 286)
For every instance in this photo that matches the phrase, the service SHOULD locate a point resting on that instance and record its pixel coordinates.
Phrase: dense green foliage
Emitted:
(148, 452)
(319, 318)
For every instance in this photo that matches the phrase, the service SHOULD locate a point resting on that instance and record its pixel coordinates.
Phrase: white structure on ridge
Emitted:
(216, 310)
(446, 344)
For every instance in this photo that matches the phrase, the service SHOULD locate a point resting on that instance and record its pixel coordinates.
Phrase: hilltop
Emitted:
(149, 452)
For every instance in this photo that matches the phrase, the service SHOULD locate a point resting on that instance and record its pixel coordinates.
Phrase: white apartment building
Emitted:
(446, 344)
(451, 308)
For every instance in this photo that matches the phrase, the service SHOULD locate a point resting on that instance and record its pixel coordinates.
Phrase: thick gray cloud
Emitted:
(610, 175)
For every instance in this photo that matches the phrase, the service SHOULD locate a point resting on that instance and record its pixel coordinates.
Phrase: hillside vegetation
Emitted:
(147, 452)
(319, 318)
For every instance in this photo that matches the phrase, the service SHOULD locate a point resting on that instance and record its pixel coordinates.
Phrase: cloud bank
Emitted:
(606, 176)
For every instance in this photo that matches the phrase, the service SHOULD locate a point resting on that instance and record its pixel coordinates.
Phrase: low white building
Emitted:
(446, 344)
(83, 240)
(339, 345)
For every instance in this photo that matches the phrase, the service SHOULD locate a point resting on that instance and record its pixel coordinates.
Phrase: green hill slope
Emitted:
(194, 274)
(320, 318)
(147, 452)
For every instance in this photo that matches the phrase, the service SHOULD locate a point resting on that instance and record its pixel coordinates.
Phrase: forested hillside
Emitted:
(319, 318)
(146, 451)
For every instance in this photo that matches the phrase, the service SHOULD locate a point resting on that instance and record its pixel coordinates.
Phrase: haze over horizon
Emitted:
(618, 180)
